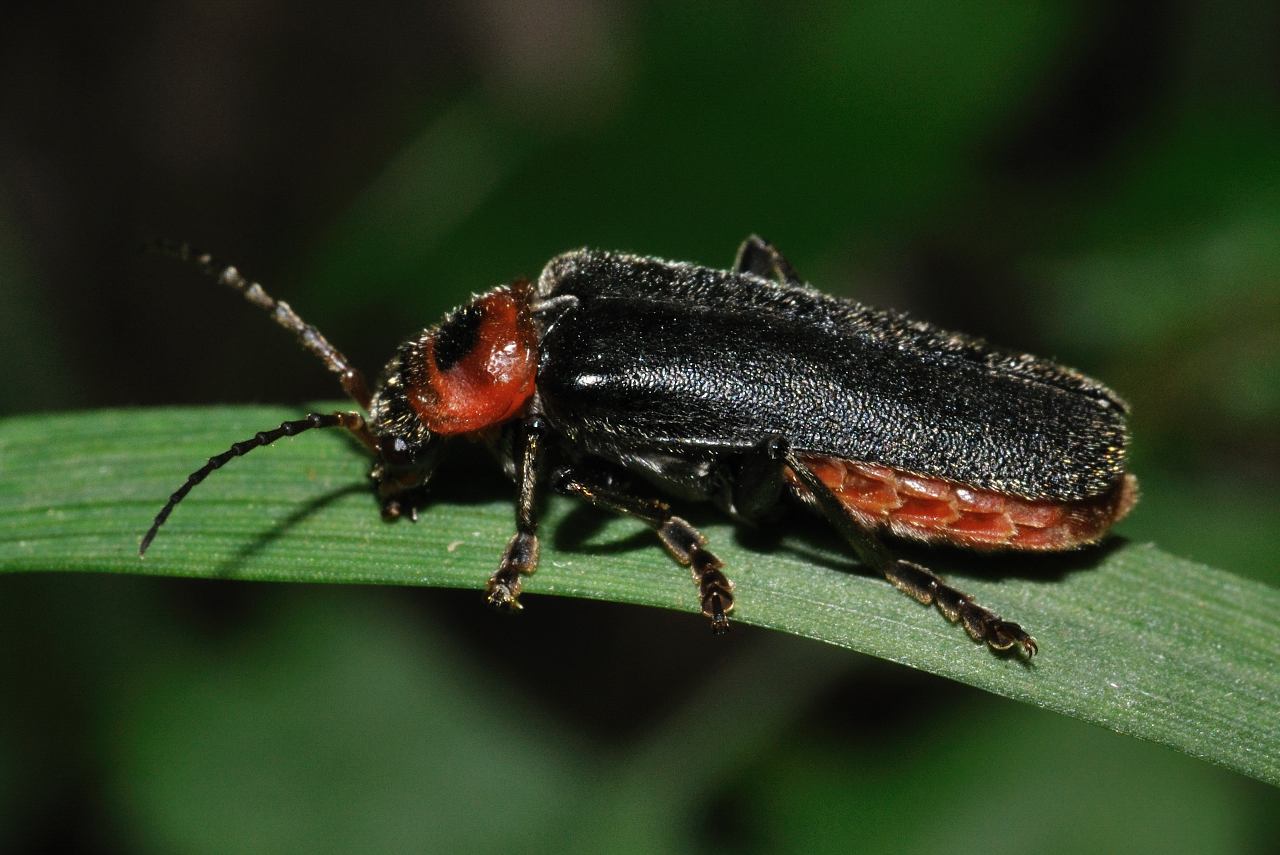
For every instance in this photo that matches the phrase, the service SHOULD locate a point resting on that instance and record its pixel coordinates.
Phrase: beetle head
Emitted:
(473, 371)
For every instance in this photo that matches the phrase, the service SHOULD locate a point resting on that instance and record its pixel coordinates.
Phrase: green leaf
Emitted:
(1131, 638)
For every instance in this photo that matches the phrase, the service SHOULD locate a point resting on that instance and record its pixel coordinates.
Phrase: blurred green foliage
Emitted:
(1094, 181)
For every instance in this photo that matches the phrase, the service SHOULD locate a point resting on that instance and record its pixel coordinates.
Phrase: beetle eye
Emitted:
(396, 450)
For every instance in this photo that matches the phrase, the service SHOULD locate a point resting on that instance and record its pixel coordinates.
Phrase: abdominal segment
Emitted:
(936, 510)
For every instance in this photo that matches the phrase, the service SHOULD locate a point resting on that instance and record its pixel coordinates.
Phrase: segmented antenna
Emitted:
(353, 422)
(352, 380)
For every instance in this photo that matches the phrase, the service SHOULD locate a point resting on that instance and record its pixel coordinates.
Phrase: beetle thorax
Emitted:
(477, 368)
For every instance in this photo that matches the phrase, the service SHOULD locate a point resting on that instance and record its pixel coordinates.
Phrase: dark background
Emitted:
(1098, 182)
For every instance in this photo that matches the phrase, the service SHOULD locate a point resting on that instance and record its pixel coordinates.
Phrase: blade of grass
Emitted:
(1131, 638)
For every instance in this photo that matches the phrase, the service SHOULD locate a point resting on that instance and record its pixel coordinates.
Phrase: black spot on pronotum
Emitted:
(456, 337)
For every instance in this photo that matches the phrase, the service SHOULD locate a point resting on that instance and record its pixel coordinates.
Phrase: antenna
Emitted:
(282, 313)
(353, 422)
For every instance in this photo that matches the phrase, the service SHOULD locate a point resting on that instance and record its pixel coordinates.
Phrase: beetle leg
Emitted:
(521, 555)
(686, 544)
(399, 496)
(912, 579)
(758, 256)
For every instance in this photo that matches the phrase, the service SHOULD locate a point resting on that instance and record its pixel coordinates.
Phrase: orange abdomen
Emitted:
(936, 510)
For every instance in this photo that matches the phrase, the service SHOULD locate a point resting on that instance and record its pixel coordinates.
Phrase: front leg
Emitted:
(521, 556)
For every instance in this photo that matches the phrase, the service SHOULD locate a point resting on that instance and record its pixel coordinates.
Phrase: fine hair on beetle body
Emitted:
(631, 382)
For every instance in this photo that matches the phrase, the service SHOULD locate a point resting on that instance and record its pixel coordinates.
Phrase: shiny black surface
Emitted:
(661, 356)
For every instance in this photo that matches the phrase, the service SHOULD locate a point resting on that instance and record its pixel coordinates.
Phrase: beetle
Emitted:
(626, 380)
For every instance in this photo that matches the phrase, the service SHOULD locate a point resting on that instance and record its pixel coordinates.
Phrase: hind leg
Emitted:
(912, 579)
(756, 255)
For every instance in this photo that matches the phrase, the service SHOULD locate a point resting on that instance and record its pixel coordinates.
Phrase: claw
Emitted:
(502, 597)
(716, 604)
(1003, 634)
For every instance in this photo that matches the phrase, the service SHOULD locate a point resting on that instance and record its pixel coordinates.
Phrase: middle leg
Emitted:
(685, 543)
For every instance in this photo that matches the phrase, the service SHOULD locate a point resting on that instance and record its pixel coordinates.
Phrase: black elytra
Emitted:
(630, 382)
